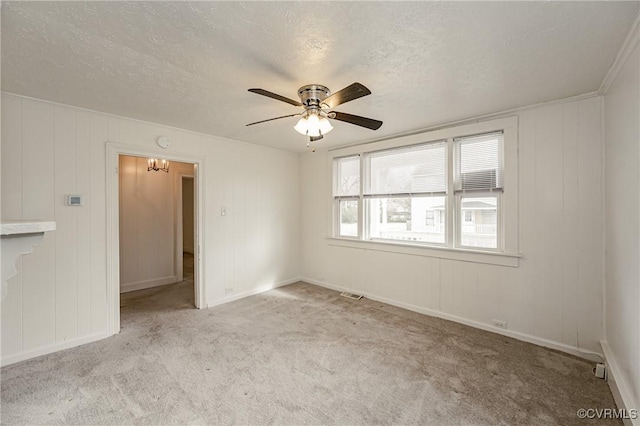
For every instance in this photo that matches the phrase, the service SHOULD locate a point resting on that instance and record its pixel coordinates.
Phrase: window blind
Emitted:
(347, 183)
(419, 169)
(479, 163)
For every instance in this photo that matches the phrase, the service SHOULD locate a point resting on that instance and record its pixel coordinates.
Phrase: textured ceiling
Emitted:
(189, 64)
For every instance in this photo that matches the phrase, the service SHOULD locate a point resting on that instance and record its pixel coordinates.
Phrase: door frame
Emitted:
(114, 150)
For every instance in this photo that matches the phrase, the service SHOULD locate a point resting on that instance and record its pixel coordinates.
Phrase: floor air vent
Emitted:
(351, 295)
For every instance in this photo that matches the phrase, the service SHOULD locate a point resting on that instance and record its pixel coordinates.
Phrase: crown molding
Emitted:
(623, 55)
(18, 96)
(470, 120)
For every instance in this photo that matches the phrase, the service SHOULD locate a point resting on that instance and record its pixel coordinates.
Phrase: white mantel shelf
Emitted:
(18, 238)
(13, 227)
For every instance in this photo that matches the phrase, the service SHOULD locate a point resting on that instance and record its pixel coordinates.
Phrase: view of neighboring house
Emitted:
(421, 221)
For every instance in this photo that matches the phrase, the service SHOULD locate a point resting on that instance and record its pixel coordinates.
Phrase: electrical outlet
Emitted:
(228, 290)
(601, 371)
(500, 323)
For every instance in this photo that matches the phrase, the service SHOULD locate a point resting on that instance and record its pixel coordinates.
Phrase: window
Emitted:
(480, 226)
(401, 186)
(430, 215)
(346, 192)
(478, 185)
(468, 215)
(349, 218)
(423, 190)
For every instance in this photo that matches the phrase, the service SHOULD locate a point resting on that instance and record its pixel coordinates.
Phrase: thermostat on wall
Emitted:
(74, 200)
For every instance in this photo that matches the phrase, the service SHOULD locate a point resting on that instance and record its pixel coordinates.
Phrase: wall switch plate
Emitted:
(500, 323)
(223, 211)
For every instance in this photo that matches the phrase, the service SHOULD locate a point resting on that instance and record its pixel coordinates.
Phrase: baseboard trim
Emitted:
(253, 292)
(618, 384)
(54, 347)
(573, 350)
(142, 285)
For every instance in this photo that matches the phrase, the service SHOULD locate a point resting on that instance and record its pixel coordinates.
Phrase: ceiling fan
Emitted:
(318, 103)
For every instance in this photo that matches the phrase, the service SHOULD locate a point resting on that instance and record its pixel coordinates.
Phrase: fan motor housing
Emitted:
(313, 94)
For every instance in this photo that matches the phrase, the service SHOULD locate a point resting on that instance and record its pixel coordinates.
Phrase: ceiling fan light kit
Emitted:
(317, 102)
(313, 124)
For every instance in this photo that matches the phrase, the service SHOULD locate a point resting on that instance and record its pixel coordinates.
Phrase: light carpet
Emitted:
(297, 355)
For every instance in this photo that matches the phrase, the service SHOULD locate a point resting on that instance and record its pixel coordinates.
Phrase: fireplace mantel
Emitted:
(19, 237)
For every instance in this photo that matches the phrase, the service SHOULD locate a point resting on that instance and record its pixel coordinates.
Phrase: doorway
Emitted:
(153, 216)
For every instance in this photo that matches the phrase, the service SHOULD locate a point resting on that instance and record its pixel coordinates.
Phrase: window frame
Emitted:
(507, 212)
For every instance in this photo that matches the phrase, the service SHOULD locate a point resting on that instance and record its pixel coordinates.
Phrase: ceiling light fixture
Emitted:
(157, 165)
(314, 125)
(318, 102)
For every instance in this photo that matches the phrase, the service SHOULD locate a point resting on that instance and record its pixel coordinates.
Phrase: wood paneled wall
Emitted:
(556, 292)
(622, 188)
(58, 299)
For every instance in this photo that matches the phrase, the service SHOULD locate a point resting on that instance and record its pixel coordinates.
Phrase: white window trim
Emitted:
(507, 256)
(466, 255)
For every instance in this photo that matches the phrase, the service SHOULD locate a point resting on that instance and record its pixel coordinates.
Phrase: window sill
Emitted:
(464, 255)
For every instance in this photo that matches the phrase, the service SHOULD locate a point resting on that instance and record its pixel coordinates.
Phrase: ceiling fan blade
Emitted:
(275, 96)
(315, 138)
(349, 93)
(369, 123)
(271, 119)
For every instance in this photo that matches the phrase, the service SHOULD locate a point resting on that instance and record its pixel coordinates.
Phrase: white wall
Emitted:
(556, 292)
(148, 223)
(58, 299)
(622, 189)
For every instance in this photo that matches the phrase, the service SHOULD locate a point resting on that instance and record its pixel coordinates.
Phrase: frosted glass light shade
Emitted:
(302, 126)
(325, 126)
(313, 125)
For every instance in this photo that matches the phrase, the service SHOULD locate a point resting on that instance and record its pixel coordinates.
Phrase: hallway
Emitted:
(175, 296)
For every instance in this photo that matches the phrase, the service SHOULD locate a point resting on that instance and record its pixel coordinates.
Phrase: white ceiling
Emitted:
(189, 64)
